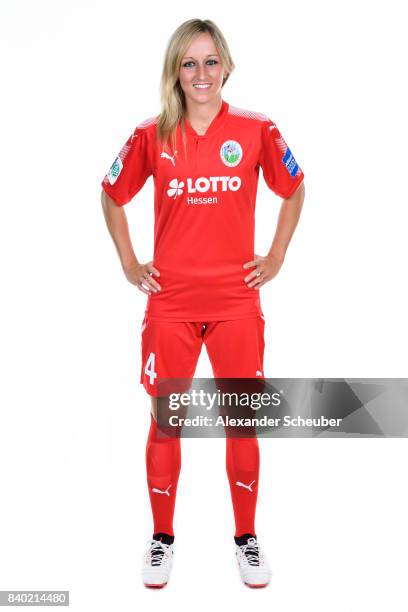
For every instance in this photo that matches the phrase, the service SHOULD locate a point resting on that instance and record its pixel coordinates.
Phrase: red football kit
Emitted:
(204, 232)
(205, 209)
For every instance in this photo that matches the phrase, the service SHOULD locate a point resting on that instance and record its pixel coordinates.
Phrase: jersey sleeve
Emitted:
(130, 169)
(281, 172)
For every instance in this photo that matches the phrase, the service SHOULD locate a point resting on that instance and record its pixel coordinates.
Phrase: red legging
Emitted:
(242, 462)
(163, 463)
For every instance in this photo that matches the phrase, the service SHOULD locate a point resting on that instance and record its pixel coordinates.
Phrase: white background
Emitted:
(77, 78)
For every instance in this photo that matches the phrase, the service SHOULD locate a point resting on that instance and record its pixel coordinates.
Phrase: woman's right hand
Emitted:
(141, 275)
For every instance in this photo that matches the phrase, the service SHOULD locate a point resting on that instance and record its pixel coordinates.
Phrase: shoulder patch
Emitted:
(248, 114)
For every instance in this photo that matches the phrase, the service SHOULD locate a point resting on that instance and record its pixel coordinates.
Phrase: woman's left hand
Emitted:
(266, 268)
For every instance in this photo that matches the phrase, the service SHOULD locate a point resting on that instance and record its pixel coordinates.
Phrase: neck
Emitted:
(202, 114)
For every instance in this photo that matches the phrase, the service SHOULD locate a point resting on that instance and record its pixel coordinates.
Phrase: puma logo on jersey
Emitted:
(134, 135)
(258, 373)
(165, 492)
(170, 157)
(272, 127)
(241, 484)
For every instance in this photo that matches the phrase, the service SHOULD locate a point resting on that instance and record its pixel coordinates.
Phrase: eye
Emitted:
(186, 65)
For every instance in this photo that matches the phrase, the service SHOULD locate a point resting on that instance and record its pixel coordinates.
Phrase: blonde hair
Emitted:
(173, 104)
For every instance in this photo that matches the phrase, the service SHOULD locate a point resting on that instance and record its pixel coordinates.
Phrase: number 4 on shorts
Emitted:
(149, 368)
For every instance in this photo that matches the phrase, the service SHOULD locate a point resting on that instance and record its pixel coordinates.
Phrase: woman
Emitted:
(203, 282)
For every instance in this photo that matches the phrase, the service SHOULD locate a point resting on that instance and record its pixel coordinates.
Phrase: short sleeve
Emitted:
(281, 172)
(130, 169)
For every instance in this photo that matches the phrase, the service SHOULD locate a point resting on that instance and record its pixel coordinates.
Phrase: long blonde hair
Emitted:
(173, 104)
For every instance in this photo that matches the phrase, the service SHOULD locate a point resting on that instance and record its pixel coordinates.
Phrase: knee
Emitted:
(242, 452)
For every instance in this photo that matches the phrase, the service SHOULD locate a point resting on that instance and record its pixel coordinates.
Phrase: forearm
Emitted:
(288, 219)
(117, 224)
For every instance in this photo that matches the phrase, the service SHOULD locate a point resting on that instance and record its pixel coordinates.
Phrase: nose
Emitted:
(202, 72)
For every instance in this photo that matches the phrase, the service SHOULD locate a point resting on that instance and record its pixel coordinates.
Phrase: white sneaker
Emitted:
(253, 566)
(156, 565)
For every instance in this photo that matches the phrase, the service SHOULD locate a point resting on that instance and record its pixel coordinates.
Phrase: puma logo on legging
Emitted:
(241, 484)
(165, 492)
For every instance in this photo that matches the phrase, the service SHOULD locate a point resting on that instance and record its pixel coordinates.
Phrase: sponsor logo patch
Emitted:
(231, 153)
(290, 162)
(203, 184)
(176, 188)
(115, 170)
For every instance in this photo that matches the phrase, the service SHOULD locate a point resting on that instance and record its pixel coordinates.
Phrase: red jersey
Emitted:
(204, 207)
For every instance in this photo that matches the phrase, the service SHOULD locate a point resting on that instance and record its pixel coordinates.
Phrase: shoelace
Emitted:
(157, 551)
(251, 551)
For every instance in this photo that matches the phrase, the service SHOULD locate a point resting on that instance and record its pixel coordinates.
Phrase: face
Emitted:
(201, 65)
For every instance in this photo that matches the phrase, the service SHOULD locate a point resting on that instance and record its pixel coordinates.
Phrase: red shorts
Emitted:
(170, 349)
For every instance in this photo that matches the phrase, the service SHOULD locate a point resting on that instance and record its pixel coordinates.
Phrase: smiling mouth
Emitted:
(202, 85)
